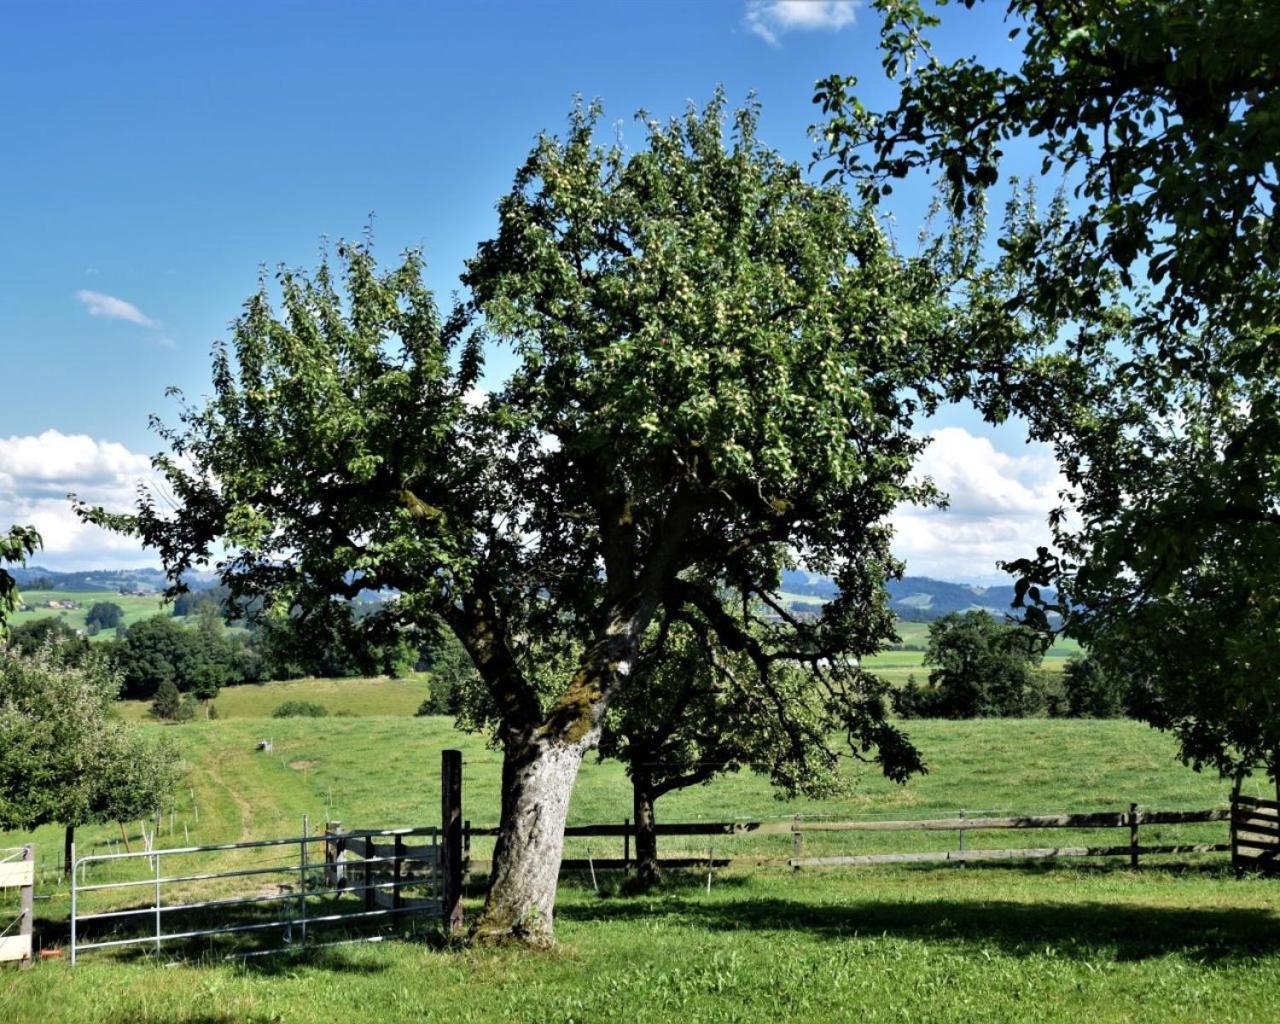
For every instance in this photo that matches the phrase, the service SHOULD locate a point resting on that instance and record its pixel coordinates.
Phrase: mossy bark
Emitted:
(537, 782)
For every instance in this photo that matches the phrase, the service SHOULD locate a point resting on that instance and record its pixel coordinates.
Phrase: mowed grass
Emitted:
(991, 945)
(1178, 940)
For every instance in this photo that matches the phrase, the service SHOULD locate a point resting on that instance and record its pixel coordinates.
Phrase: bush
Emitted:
(1089, 692)
(300, 709)
(453, 676)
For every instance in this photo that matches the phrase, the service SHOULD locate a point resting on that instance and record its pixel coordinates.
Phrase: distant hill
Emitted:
(114, 581)
(914, 598)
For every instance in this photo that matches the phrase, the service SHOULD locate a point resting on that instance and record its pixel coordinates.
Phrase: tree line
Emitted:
(181, 667)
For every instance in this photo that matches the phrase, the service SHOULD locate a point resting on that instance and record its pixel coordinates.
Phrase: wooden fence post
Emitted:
(1236, 864)
(626, 845)
(28, 905)
(1133, 835)
(797, 841)
(369, 902)
(451, 836)
(397, 866)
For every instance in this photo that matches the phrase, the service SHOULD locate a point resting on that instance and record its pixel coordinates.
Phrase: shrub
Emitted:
(1089, 692)
(300, 709)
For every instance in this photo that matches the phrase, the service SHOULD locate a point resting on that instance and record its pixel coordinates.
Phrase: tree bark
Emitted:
(537, 782)
(648, 872)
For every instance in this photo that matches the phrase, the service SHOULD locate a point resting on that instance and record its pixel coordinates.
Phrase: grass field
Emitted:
(1174, 941)
(898, 666)
(362, 698)
(135, 608)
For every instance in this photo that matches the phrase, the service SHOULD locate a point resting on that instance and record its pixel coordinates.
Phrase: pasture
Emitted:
(135, 607)
(374, 697)
(1178, 940)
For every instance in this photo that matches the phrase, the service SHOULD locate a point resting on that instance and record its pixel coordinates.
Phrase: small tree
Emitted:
(63, 757)
(698, 710)
(167, 705)
(104, 615)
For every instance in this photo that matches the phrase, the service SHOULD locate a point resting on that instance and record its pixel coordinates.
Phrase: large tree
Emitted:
(980, 667)
(1155, 284)
(718, 368)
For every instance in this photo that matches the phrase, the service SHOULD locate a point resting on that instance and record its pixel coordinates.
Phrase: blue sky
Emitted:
(157, 155)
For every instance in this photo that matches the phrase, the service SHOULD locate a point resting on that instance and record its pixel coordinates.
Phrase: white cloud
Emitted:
(999, 507)
(770, 19)
(36, 474)
(110, 308)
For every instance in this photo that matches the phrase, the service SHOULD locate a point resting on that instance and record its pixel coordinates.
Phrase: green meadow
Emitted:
(135, 607)
(1180, 939)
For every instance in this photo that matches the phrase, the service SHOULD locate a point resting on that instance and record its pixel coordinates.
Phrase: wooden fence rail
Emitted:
(1131, 819)
(1255, 835)
(17, 870)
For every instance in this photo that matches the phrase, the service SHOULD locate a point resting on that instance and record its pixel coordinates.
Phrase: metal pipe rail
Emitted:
(396, 856)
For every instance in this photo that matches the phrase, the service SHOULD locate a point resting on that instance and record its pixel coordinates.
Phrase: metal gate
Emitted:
(193, 896)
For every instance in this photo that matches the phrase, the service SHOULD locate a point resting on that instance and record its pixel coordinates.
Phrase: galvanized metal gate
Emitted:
(308, 890)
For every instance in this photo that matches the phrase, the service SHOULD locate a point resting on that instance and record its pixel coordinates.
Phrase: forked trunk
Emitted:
(537, 782)
(648, 873)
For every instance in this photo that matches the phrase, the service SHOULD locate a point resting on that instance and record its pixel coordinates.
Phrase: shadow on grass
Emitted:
(615, 884)
(1118, 930)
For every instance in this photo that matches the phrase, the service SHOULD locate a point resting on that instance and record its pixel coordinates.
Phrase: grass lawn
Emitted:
(1174, 941)
(986, 945)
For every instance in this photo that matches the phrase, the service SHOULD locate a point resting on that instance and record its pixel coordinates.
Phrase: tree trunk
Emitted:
(648, 873)
(537, 781)
(68, 840)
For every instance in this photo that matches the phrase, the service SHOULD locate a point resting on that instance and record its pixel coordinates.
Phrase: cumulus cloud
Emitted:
(770, 19)
(110, 308)
(37, 471)
(999, 506)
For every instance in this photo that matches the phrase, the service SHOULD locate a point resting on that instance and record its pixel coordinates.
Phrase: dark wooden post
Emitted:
(397, 866)
(626, 844)
(1133, 835)
(1236, 866)
(797, 841)
(28, 904)
(451, 836)
(369, 902)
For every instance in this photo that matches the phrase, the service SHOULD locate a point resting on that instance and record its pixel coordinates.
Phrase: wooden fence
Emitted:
(796, 828)
(17, 870)
(1255, 835)
(385, 871)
